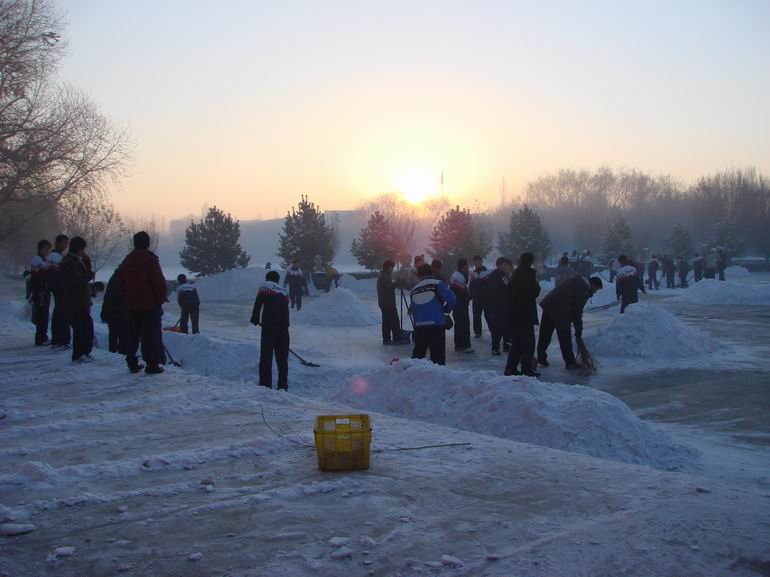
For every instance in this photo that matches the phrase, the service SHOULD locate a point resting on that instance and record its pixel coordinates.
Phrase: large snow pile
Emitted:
(737, 272)
(337, 308)
(714, 292)
(366, 286)
(570, 418)
(603, 297)
(651, 331)
(235, 284)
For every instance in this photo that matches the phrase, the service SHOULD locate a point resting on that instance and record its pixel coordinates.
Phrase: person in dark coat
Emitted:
(523, 290)
(684, 270)
(565, 272)
(476, 288)
(75, 275)
(39, 294)
(563, 307)
(271, 312)
(144, 288)
(652, 274)
(495, 304)
(698, 266)
(458, 282)
(669, 271)
(189, 303)
(627, 283)
(115, 314)
(295, 278)
(721, 263)
(437, 265)
(60, 320)
(386, 299)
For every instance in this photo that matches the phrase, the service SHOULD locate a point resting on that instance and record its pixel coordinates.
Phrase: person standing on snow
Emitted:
(628, 284)
(40, 296)
(563, 307)
(436, 266)
(721, 263)
(477, 286)
(60, 320)
(386, 299)
(565, 272)
(75, 275)
(698, 265)
(115, 314)
(332, 276)
(295, 278)
(523, 290)
(683, 270)
(652, 273)
(458, 282)
(432, 300)
(495, 305)
(190, 303)
(711, 265)
(142, 283)
(271, 312)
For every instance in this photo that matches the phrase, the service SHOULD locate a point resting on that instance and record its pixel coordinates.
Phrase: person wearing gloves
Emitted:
(271, 312)
(432, 301)
(458, 282)
(189, 303)
(562, 308)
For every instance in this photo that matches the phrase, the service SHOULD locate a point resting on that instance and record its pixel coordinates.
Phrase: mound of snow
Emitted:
(737, 272)
(651, 331)
(338, 308)
(235, 284)
(570, 418)
(15, 311)
(714, 292)
(603, 297)
(367, 286)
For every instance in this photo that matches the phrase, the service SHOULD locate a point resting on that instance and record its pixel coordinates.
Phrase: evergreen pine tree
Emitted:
(306, 236)
(457, 235)
(617, 239)
(723, 236)
(525, 234)
(375, 243)
(212, 245)
(678, 242)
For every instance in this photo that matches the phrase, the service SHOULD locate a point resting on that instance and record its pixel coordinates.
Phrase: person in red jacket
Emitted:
(144, 290)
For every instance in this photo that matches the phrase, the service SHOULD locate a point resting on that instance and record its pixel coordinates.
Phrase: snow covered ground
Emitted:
(179, 474)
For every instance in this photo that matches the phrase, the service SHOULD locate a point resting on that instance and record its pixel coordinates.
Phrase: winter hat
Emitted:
(77, 244)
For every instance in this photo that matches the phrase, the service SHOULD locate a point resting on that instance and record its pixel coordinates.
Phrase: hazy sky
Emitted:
(248, 104)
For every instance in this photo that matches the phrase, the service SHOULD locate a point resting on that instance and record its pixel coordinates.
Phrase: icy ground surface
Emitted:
(116, 474)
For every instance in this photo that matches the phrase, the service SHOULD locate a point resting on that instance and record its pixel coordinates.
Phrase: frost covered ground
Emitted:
(179, 474)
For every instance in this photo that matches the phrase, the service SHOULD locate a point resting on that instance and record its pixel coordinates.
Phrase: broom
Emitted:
(585, 358)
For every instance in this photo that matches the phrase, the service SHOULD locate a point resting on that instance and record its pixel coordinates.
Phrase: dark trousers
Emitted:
(698, 275)
(462, 327)
(145, 327)
(275, 342)
(433, 338)
(118, 335)
(721, 274)
(497, 327)
(626, 301)
(711, 273)
(670, 279)
(41, 302)
(522, 349)
(60, 320)
(478, 310)
(296, 299)
(652, 281)
(612, 275)
(82, 332)
(547, 327)
(189, 314)
(391, 329)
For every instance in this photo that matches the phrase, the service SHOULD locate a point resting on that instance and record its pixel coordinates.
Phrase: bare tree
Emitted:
(55, 145)
(98, 222)
(151, 225)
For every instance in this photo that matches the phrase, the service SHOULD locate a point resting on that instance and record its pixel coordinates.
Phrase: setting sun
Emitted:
(418, 184)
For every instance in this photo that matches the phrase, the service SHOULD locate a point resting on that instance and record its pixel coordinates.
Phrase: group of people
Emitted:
(506, 297)
(132, 306)
(676, 271)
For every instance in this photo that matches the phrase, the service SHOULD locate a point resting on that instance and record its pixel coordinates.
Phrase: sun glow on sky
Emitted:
(418, 184)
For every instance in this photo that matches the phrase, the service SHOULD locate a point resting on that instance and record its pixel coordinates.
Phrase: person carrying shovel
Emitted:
(271, 312)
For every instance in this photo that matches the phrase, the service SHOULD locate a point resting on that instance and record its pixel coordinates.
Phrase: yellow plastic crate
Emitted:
(343, 442)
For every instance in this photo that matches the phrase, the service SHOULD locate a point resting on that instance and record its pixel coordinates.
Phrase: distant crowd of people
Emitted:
(132, 306)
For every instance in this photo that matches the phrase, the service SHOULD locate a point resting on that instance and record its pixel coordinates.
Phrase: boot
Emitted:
(153, 369)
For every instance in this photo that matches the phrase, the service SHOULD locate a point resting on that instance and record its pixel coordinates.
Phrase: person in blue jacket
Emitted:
(432, 301)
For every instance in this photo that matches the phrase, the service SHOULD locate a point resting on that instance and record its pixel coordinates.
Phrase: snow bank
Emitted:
(603, 297)
(15, 311)
(236, 284)
(367, 286)
(650, 331)
(338, 308)
(714, 292)
(737, 272)
(570, 418)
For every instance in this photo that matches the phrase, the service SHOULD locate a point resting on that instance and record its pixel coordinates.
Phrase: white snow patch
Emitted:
(235, 284)
(366, 286)
(338, 308)
(649, 331)
(737, 272)
(714, 292)
(64, 551)
(571, 418)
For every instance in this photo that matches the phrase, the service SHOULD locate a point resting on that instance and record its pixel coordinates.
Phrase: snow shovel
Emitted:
(405, 335)
(175, 328)
(303, 361)
(170, 358)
